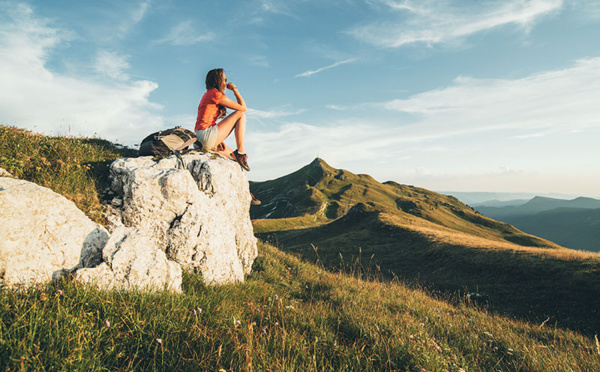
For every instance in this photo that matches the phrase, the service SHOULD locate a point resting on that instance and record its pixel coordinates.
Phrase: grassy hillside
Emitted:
(76, 168)
(424, 237)
(318, 193)
(288, 316)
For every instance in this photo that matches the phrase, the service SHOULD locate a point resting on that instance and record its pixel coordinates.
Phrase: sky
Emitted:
(461, 95)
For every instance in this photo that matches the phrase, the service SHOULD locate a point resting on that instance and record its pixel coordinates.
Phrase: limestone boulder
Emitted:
(133, 259)
(198, 213)
(43, 235)
(4, 173)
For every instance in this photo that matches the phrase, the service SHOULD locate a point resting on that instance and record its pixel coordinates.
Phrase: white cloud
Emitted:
(134, 17)
(434, 22)
(111, 65)
(560, 100)
(185, 34)
(271, 114)
(35, 97)
(313, 72)
(480, 134)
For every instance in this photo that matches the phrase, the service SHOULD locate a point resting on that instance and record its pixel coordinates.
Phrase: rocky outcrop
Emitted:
(198, 215)
(163, 218)
(4, 173)
(43, 235)
(132, 259)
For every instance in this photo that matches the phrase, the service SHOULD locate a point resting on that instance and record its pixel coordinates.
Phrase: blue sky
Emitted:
(463, 95)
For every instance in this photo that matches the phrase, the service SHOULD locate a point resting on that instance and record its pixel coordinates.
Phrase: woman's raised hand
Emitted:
(231, 86)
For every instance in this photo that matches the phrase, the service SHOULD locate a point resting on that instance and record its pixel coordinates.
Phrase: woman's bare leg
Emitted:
(226, 152)
(237, 121)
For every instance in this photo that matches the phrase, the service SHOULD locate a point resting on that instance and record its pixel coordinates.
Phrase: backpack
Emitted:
(166, 142)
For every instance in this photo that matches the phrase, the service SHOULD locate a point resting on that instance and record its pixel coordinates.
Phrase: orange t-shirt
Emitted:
(208, 109)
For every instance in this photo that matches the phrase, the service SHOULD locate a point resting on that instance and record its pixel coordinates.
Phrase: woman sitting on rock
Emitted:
(213, 106)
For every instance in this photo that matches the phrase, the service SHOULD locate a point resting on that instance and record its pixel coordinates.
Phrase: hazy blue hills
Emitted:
(489, 198)
(536, 205)
(571, 223)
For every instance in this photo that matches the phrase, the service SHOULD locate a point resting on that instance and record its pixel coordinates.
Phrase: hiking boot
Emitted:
(242, 159)
(254, 201)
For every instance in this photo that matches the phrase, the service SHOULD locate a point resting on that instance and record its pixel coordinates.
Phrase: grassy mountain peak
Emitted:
(318, 193)
(426, 237)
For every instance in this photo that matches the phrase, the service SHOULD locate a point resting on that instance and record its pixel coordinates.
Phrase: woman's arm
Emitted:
(225, 101)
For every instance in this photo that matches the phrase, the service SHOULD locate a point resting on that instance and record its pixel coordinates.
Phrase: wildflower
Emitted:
(59, 292)
(276, 297)
(488, 334)
(108, 324)
(194, 311)
(159, 340)
(264, 331)
(199, 311)
(237, 322)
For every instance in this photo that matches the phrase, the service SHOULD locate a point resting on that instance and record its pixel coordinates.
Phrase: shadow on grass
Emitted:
(533, 287)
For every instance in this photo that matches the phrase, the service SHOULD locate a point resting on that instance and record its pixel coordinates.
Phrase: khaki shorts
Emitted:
(208, 137)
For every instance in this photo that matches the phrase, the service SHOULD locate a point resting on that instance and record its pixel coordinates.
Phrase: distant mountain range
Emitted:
(351, 221)
(489, 198)
(571, 223)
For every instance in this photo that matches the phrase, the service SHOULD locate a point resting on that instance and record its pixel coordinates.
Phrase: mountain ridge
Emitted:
(428, 238)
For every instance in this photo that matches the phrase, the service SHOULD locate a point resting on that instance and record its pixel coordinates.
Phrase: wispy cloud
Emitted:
(272, 114)
(563, 99)
(134, 17)
(185, 34)
(313, 72)
(433, 22)
(117, 109)
(477, 125)
(111, 65)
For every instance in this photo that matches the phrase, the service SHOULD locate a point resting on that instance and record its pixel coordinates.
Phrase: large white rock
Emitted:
(4, 173)
(132, 259)
(43, 235)
(198, 215)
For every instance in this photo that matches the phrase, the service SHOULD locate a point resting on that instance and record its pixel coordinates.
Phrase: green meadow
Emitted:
(294, 312)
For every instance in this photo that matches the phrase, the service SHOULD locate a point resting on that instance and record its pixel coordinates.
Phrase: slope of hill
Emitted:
(76, 168)
(318, 193)
(289, 315)
(420, 236)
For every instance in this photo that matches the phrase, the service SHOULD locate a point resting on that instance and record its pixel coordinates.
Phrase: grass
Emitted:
(76, 168)
(289, 315)
(526, 282)
(428, 239)
(318, 194)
